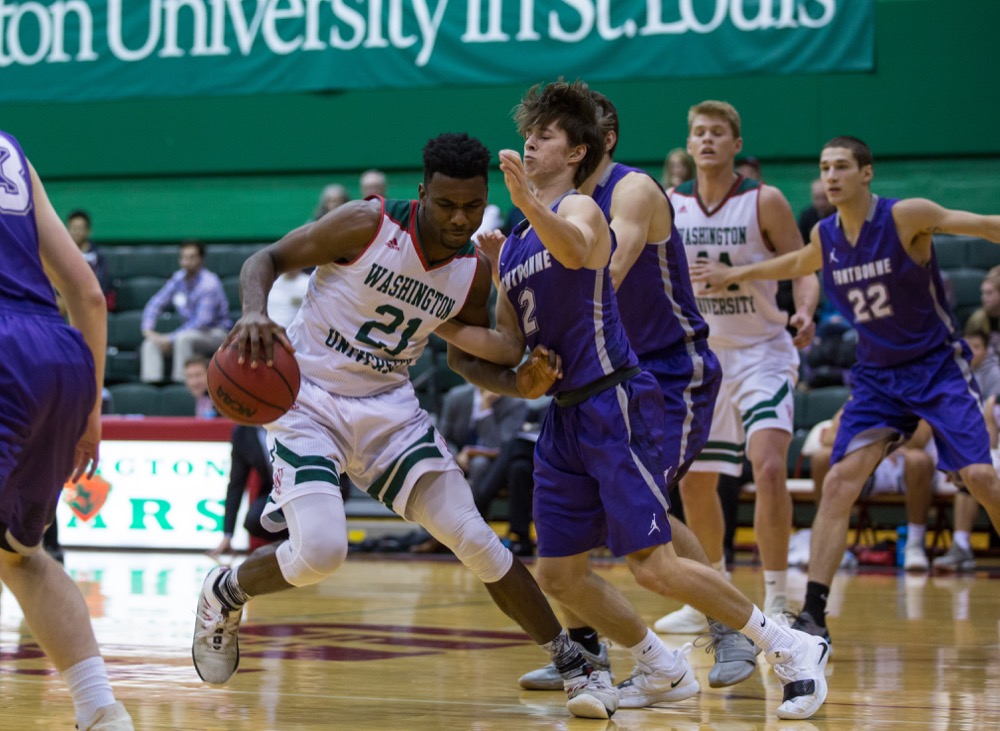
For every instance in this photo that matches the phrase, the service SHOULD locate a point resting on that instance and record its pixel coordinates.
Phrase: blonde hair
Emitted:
(720, 110)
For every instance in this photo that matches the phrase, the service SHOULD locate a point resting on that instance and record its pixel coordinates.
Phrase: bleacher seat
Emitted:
(965, 285)
(981, 254)
(812, 407)
(226, 260)
(135, 292)
(125, 262)
(135, 398)
(125, 330)
(175, 400)
(950, 251)
(231, 286)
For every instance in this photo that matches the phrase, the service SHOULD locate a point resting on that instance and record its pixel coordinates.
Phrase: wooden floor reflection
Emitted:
(398, 644)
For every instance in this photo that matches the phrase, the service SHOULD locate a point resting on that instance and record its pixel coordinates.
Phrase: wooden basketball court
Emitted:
(401, 644)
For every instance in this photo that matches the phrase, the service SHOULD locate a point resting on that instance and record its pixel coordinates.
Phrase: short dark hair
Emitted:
(570, 106)
(862, 153)
(200, 245)
(79, 213)
(198, 360)
(456, 155)
(974, 333)
(607, 118)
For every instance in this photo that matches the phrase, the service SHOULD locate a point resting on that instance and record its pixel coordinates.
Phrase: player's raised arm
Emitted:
(636, 202)
(916, 216)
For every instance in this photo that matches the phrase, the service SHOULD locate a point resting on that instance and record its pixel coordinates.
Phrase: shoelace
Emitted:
(212, 621)
(710, 641)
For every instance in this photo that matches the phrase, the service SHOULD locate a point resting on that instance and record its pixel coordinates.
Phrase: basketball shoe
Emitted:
(216, 647)
(805, 622)
(685, 621)
(735, 656)
(801, 668)
(647, 688)
(955, 559)
(109, 718)
(591, 696)
(548, 678)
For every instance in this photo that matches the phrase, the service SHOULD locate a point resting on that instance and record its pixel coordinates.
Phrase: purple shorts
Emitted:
(600, 473)
(47, 390)
(938, 388)
(690, 384)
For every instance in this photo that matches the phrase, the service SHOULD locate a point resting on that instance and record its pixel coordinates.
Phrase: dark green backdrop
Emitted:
(250, 168)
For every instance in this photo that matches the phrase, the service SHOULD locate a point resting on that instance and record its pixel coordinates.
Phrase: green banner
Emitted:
(109, 49)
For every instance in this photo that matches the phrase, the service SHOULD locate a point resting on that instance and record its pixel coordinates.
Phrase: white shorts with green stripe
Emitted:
(757, 392)
(384, 443)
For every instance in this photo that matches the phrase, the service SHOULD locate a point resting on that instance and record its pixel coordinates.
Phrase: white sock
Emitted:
(89, 686)
(915, 533)
(651, 653)
(961, 539)
(775, 588)
(767, 634)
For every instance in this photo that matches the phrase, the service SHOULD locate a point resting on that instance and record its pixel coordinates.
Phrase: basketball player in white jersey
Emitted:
(729, 218)
(388, 273)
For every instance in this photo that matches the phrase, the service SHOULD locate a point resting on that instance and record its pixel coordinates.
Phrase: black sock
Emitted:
(566, 657)
(816, 595)
(587, 637)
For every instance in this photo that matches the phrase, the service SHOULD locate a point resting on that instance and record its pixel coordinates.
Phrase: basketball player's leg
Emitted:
(442, 503)
(767, 450)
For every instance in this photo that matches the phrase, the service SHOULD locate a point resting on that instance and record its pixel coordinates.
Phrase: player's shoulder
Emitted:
(686, 189)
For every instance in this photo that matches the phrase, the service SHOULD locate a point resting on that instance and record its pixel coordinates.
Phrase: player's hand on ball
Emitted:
(255, 333)
(536, 375)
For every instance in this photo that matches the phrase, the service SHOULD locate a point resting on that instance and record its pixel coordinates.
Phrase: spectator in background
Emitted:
(373, 183)
(333, 196)
(818, 209)
(677, 168)
(196, 295)
(476, 423)
(986, 319)
(285, 297)
(749, 167)
(251, 466)
(984, 364)
(196, 380)
(78, 225)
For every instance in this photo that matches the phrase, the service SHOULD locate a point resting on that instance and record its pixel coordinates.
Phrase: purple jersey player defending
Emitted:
(880, 271)
(50, 424)
(600, 472)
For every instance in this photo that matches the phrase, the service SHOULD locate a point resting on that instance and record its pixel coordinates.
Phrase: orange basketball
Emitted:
(253, 396)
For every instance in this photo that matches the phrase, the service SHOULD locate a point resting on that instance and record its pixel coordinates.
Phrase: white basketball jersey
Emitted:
(363, 323)
(744, 313)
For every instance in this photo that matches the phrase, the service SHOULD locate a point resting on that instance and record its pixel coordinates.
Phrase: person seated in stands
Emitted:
(985, 364)
(476, 424)
(909, 470)
(251, 469)
(987, 318)
(196, 380)
(332, 197)
(196, 294)
(960, 557)
(79, 227)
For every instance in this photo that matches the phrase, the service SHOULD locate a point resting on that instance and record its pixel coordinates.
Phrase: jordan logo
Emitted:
(833, 257)
(653, 527)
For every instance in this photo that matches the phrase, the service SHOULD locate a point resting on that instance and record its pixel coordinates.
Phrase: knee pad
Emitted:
(304, 566)
(442, 503)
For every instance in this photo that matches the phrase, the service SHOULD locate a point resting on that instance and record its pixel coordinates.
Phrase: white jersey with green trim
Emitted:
(746, 313)
(363, 323)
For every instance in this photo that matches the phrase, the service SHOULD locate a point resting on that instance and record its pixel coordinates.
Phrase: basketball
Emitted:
(253, 396)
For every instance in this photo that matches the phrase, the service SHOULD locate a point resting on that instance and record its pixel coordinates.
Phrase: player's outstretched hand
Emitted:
(255, 333)
(536, 375)
(713, 274)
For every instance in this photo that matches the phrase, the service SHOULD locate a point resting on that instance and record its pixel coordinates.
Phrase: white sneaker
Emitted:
(685, 621)
(649, 688)
(801, 669)
(915, 558)
(109, 718)
(591, 696)
(215, 648)
(548, 678)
